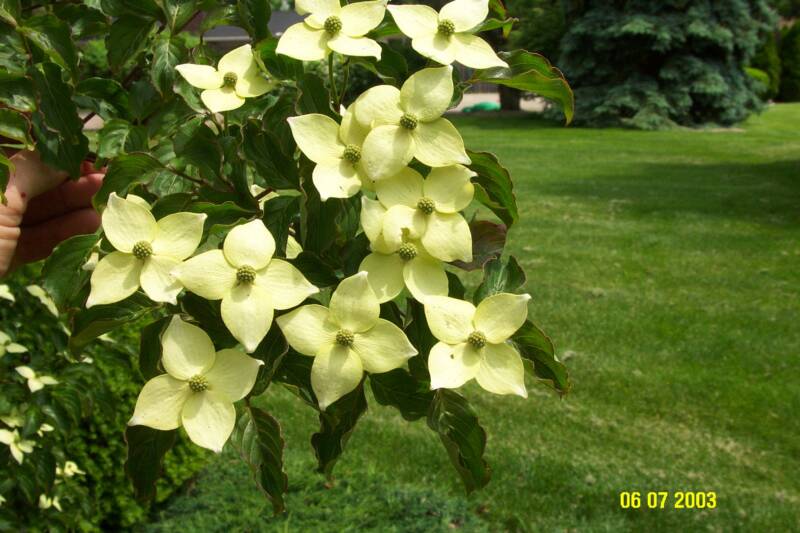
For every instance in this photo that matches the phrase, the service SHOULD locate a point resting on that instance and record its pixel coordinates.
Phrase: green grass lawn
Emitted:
(666, 267)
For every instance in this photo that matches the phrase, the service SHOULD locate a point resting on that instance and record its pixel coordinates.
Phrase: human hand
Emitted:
(43, 209)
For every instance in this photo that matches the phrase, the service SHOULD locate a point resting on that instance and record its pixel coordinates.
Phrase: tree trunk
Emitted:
(509, 98)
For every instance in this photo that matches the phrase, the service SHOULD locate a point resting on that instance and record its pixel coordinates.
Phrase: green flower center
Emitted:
(198, 383)
(245, 274)
(333, 25)
(446, 28)
(426, 205)
(229, 79)
(352, 153)
(142, 250)
(408, 121)
(344, 337)
(407, 251)
(477, 339)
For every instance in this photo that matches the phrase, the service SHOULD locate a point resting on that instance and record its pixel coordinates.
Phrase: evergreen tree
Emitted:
(790, 60)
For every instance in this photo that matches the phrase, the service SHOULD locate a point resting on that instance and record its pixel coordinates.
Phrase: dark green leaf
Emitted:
(124, 171)
(88, 324)
(146, 450)
(10, 11)
(104, 96)
(178, 12)
(537, 347)
(53, 37)
(167, 54)
(16, 92)
(279, 66)
(128, 36)
(337, 423)
(400, 390)
(14, 125)
(452, 418)
(83, 21)
(499, 277)
(275, 167)
(494, 24)
(254, 15)
(494, 188)
(315, 269)
(419, 334)
(171, 203)
(488, 240)
(63, 274)
(294, 373)
(259, 441)
(313, 97)
(532, 72)
(279, 213)
(150, 348)
(207, 314)
(199, 146)
(120, 136)
(144, 99)
(455, 289)
(392, 67)
(219, 15)
(143, 8)
(271, 351)
(5, 172)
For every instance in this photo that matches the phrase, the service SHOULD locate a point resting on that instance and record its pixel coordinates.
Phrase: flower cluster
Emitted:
(411, 213)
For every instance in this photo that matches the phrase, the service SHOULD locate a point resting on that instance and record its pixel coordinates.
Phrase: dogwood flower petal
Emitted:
(452, 366)
(336, 371)
(187, 350)
(308, 328)
(160, 403)
(222, 99)
(336, 179)
(404, 188)
(115, 277)
(26, 372)
(303, 42)
(208, 418)
(285, 284)
(247, 313)
(500, 316)
(401, 223)
(378, 106)
(438, 144)
(450, 319)
(233, 374)
(385, 274)
(249, 244)
(157, 280)
(359, 18)
(415, 20)
(351, 131)
(472, 51)
(126, 223)
(501, 370)
(208, 275)
(383, 347)
(317, 136)
(450, 188)
(319, 10)
(354, 305)
(386, 150)
(435, 46)
(252, 83)
(424, 277)
(447, 237)
(354, 46)
(427, 93)
(200, 76)
(238, 61)
(465, 14)
(179, 235)
(372, 217)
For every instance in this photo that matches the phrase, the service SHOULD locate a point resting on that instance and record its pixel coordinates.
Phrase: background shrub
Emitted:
(768, 60)
(790, 63)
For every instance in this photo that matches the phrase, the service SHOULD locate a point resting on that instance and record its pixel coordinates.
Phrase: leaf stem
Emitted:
(332, 81)
(344, 83)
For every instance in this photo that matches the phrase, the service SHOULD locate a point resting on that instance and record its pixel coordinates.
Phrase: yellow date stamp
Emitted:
(668, 500)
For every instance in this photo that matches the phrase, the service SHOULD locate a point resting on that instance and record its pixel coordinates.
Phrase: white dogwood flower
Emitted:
(6, 346)
(16, 444)
(36, 382)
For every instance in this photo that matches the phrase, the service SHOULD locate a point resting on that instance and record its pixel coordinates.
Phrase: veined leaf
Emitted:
(499, 277)
(88, 324)
(493, 186)
(54, 38)
(123, 172)
(16, 92)
(537, 347)
(167, 54)
(128, 36)
(63, 272)
(254, 16)
(120, 136)
(15, 126)
(146, 450)
(400, 390)
(337, 423)
(488, 240)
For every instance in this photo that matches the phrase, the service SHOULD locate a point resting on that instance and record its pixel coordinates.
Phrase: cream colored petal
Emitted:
(437, 47)
(359, 18)
(402, 223)
(354, 46)
(474, 52)
(450, 188)
(354, 305)
(285, 284)
(427, 93)
(115, 277)
(6, 437)
(247, 312)
(450, 319)
(336, 371)
(308, 328)
(447, 237)
(404, 188)
(452, 366)
(382, 348)
(372, 213)
(157, 281)
(187, 350)
(501, 315)
(293, 248)
(351, 132)
(303, 42)
(385, 274)
(249, 244)
(501, 370)
(319, 10)
(138, 200)
(438, 144)
(126, 223)
(15, 348)
(219, 100)
(25, 371)
(238, 61)
(200, 76)
(48, 380)
(208, 275)
(317, 136)
(425, 277)
(386, 150)
(415, 20)
(233, 374)
(208, 419)
(336, 179)
(253, 83)
(378, 105)
(465, 14)
(160, 403)
(179, 234)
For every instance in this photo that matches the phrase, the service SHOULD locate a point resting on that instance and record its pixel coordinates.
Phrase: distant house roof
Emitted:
(231, 35)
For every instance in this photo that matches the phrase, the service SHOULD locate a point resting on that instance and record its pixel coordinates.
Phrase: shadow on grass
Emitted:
(766, 193)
